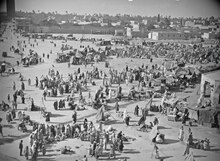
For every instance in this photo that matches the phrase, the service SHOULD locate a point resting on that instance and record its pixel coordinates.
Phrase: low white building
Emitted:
(128, 32)
(167, 35)
(116, 23)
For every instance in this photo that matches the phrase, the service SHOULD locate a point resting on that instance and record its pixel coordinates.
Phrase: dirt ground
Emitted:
(138, 148)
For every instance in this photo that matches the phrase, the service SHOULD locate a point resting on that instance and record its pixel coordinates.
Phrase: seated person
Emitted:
(132, 92)
(22, 127)
(93, 83)
(65, 150)
(208, 103)
(175, 111)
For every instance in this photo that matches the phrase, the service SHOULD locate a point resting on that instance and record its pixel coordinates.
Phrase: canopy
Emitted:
(100, 114)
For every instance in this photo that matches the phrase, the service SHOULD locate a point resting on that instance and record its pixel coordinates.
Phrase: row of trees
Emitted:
(41, 18)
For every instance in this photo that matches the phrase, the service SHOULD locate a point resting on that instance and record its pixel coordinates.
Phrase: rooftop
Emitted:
(214, 75)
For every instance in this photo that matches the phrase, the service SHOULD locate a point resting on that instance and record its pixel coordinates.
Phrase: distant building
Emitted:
(144, 22)
(116, 23)
(128, 32)
(189, 23)
(119, 32)
(135, 26)
(167, 35)
(23, 24)
(157, 26)
(104, 24)
(209, 35)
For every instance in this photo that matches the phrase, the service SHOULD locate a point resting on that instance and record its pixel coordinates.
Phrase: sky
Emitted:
(173, 8)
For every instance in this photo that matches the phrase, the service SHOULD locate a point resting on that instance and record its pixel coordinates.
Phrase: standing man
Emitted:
(74, 116)
(136, 110)
(22, 86)
(14, 86)
(21, 147)
(36, 80)
(1, 132)
(117, 106)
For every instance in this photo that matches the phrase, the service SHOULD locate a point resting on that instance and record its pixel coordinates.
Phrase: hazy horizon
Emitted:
(173, 8)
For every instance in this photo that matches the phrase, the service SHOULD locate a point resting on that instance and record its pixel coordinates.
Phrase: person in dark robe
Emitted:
(74, 116)
(93, 148)
(142, 119)
(22, 98)
(44, 95)
(120, 146)
(136, 110)
(21, 147)
(32, 105)
(55, 105)
(66, 88)
(22, 86)
(119, 136)
(60, 104)
(185, 116)
(85, 124)
(156, 121)
(55, 92)
(36, 81)
(47, 117)
(190, 139)
(127, 120)
(15, 97)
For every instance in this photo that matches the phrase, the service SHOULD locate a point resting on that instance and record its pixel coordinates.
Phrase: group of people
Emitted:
(187, 53)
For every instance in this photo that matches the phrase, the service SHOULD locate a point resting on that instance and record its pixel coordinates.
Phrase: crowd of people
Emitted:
(146, 77)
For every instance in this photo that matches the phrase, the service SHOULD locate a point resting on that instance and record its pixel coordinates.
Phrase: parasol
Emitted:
(78, 55)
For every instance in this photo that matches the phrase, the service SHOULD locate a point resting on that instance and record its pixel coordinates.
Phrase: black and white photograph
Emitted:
(109, 80)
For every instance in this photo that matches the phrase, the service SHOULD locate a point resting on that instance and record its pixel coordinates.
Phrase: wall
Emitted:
(170, 36)
(215, 98)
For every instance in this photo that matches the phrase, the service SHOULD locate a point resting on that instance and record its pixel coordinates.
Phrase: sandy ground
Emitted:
(138, 149)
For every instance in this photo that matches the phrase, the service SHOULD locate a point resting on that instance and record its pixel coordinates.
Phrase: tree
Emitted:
(150, 26)
(167, 22)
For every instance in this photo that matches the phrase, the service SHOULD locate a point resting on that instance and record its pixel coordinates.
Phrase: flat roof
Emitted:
(168, 32)
(214, 75)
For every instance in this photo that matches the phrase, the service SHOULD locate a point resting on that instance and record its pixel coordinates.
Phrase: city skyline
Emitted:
(173, 8)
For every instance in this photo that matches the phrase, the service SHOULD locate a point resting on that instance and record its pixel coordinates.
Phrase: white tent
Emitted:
(153, 132)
